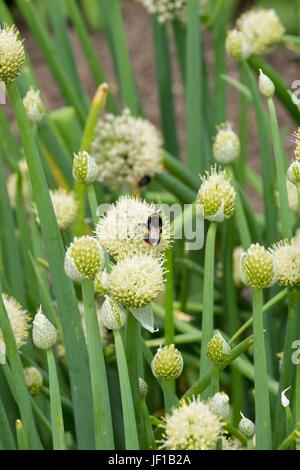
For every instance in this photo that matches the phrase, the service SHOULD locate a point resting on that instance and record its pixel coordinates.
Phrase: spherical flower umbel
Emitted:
(218, 350)
(219, 405)
(191, 426)
(293, 173)
(83, 259)
(167, 363)
(126, 149)
(135, 281)
(246, 427)
(216, 196)
(12, 54)
(169, 10)
(265, 85)
(113, 316)
(19, 320)
(85, 170)
(33, 380)
(262, 29)
(64, 205)
(226, 146)
(258, 267)
(133, 226)
(287, 259)
(34, 106)
(237, 46)
(44, 334)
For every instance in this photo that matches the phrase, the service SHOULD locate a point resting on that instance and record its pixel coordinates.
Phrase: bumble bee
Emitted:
(144, 181)
(153, 230)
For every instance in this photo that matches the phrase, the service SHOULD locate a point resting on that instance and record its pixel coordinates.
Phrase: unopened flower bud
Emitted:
(12, 54)
(83, 259)
(293, 173)
(167, 363)
(34, 106)
(237, 46)
(113, 316)
(246, 427)
(226, 146)
(85, 170)
(216, 196)
(33, 380)
(265, 85)
(258, 268)
(143, 388)
(44, 334)
(219, 405)
(218, 350)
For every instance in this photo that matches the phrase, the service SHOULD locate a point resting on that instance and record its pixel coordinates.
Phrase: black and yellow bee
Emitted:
(144, 181)
(153, 230)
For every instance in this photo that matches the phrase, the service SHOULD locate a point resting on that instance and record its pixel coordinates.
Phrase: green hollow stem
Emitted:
(240, 216)
(130, 429)
(262, 403)
(169, 294)
(101, 404)
(280, 164)
(7, 437)
(170, 398)
(288, 368)
(57, 421)
(92, 198)
(62, 286)
(208, 300)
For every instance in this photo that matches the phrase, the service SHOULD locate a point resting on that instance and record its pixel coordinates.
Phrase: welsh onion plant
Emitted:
(119, 328)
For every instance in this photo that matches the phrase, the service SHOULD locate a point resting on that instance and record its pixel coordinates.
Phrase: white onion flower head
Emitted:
(293, 173)
(123, 228)
(246, 427)
(265, 85)
(262, 29)
(136, 281)
(237, 253)
(113, 316)
(83, 259)
(125, 149)
(258, 267)
(33, 380)
(237, 46)
(65, 207)
(34, 106)
(85, 170)
(12, 54)
(216, 196)
(19, 321)
(170, 10)
(292, 193)
(191, 426)
(226, 146)
(167, 364)
(44, 334)
(219, 405)
(218, 350)
(143, 388)
(287, 259)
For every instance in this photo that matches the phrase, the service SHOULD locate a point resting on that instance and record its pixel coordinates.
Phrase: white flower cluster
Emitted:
(169, 10)
(126, 149)
(19, 320)
(34, 106)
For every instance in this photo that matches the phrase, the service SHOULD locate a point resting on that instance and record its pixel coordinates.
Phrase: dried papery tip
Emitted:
(226, 146)
(83, 259)
(167, 363)
(219, 405)
(285, 402)
(237, 46)
(113, 316)
(191, 426)
(218, 350)
(12, 54)
(44, 334)
(293, 173)
(265, 85)
(246, 427)
(85, 170)
(143, 388)
(216, 196)
(258, 267)
(34, 106)
(33, 380)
